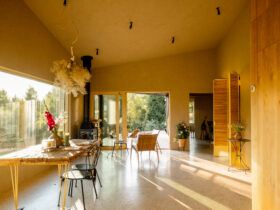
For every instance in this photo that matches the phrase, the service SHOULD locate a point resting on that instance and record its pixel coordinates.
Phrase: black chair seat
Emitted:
(83, 167)
(77, 175)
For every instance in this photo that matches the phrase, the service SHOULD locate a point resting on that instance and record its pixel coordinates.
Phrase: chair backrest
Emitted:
(93, 155)
(97, 155)
(155, 131)
(146, 142)
(134, 133)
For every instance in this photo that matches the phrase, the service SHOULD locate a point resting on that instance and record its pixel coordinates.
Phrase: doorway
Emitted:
(109, 108)
(201, 123)
(149, 112)
(123, 112)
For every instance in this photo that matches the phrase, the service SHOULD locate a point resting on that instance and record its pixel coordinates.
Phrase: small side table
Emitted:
(238, 153)
(120, 143)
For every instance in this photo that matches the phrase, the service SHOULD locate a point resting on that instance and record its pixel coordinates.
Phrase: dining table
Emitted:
(37, 155)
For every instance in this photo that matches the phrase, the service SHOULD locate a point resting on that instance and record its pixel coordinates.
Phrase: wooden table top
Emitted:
(34, 155)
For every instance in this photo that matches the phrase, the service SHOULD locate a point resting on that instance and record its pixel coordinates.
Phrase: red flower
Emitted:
(51, 122)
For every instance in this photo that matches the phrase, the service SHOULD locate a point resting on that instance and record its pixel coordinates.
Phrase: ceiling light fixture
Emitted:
(130, 25)
(218, 11)
(173, 40)
(69, 75)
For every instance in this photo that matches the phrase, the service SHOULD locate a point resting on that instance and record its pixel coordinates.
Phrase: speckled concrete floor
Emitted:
(181, 180)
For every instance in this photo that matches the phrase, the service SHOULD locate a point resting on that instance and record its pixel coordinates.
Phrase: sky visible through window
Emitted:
(17, 86)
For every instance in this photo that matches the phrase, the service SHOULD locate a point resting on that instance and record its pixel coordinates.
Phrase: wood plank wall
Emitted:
(265, 103)
(220, 116)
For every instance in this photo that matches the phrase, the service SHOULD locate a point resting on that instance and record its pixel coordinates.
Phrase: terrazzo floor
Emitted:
(181, 180)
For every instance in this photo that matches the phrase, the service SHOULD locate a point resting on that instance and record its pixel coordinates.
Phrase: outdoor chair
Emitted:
(156, 132)
(145, 142)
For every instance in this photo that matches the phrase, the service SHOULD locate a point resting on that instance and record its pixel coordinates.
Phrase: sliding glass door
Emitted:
(109, 108)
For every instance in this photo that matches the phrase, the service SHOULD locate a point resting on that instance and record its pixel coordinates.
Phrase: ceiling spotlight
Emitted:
(97, 51)
(218, 11)
(130, 25)
(173, 40)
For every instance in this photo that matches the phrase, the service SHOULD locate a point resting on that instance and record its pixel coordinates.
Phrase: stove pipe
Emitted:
(86, 122)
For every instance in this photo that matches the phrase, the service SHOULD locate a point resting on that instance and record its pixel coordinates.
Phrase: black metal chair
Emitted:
(79, 175)
(90, 165)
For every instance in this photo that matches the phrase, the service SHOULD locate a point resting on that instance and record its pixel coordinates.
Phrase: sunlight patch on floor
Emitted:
(215, 168)
(180, 202)
(208, 202)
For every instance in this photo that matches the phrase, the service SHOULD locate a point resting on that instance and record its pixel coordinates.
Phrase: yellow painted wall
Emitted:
(179, 75)
(234, 56)
(28, 48)
(25, 44)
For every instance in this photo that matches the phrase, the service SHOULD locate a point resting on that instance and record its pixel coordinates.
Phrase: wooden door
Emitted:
(220, 117)
(233, 111)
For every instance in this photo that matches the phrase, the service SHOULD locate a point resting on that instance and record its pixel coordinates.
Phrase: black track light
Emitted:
(218, 11)
(173, 40)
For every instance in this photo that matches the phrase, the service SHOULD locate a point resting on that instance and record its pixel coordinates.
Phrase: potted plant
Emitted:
(238, 128)
(183, 132)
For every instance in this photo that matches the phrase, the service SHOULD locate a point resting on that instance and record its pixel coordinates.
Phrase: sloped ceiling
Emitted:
(104, 24)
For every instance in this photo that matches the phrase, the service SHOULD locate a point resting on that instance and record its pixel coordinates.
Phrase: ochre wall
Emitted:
(234, 56)
(179, 75)
(265, 76)
(25, 44)
(27, 48)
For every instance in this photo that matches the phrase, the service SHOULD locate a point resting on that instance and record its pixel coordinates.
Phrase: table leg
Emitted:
(63, 168)
(113, 149)
(242, 162)
(14, 177)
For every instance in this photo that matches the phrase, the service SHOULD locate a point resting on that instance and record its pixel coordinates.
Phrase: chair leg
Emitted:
(149, 155)
(126, 147)
(113, 149)
(94, 187)
(72, 188)
(83, 194)
(159, 147)
(69, 189)
(130, 152)
(58, 203)
(98, 178)
(76, 183)
(137, 156)
(157, 155)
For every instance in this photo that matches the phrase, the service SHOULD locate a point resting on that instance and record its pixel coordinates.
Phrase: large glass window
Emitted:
(22, 120)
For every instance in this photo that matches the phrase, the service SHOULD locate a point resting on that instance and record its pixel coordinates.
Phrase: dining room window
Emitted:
(22, 120)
